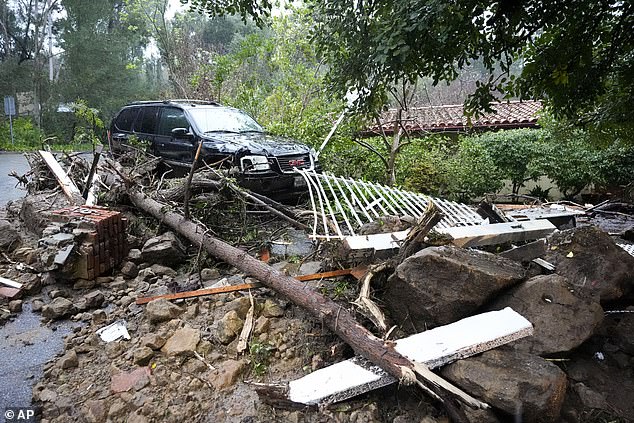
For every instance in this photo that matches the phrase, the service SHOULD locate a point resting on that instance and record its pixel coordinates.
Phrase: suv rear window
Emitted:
(149, 116)
(126, 119)
(171, 118)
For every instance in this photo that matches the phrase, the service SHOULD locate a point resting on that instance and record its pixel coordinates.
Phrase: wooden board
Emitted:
(200, 292)
(10, 283)
(68, 186)
(434, 348)
(462, 236)
(499, 233)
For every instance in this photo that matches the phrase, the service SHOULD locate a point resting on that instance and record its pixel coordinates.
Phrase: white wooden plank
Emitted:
(433, 348)
(10, 283)
(68, 186)
(377, 242)
(498, 233)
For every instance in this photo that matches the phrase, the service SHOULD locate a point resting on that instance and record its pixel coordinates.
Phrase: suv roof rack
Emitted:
(178, 100)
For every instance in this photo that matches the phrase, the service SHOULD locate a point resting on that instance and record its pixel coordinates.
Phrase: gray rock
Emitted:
(37, 305)
(227, 374)
(129, 269)
(262, 325)
(91, 300)
(134, 255)
(15, 306)
(96, 411)
(383, 225)
(592, 262)
(58, 308)
(209, 274)
(229, 327)
(160, 270)
(562, 319)
(162, 310)
(440, 285)
(99, 317)
(240, 305)
(142, 356)
(590, 398)
(183, 342)
(9, 236)
(310, 267)
(153, 341)
(165, 249)
(624, 332)
(69, 360)
(272, 309)
(513, 381)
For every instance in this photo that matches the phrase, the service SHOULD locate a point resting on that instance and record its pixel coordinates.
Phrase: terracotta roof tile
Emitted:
(451, 118)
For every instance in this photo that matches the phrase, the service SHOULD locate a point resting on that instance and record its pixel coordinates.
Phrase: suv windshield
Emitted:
(219, 119)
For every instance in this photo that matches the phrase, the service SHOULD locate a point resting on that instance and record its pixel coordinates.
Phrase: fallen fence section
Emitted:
(461, 236)
(341, 205)
(434, 348)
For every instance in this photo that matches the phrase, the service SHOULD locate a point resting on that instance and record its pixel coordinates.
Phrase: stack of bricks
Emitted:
(101, 237)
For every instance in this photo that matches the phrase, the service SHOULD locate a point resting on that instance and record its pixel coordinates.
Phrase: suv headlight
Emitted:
(254, 163)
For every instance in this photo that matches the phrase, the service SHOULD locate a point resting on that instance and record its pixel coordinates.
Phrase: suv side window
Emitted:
(171, 118)
(126, 119)
(147, 120)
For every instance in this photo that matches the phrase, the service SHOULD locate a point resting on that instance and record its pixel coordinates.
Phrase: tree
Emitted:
(577, 54)
(103, 55)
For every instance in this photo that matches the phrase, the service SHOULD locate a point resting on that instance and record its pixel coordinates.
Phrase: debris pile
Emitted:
(528, 317)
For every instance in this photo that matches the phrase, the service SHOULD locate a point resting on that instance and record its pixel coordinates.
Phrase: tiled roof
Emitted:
(512, 114)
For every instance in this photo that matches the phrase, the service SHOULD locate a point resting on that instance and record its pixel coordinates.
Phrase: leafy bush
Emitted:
(472, 170)
(515, 154)
(25, 134)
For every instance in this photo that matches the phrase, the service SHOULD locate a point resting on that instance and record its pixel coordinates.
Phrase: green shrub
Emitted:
(25, 135)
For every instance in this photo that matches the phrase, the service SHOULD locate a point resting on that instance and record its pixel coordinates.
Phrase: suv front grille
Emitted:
(287, 163)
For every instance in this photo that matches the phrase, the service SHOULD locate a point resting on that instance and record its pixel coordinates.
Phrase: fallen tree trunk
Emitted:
(333, 315)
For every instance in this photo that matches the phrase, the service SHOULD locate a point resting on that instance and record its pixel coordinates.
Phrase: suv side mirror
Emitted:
(181, 133)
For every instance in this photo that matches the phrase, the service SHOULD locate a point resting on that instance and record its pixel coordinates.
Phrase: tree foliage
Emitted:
(576, 54)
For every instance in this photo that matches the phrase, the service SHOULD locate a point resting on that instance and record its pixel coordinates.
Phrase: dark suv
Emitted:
(174, 128)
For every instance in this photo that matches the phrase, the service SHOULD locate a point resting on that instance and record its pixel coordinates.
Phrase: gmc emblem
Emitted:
(296, 162)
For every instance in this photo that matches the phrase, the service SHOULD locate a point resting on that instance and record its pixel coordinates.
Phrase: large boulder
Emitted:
(161, 310)
(164, 249)
(562, 318)
(9, 236)
(439, 285)
(592, 262)
(623, 332)
(515, 382)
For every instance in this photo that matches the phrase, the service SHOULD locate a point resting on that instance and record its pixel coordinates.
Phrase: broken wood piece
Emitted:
(199, 292)
(68, 186)
(545, 264)
(498, 233)
(366, 306)
(242, 287)
(415, 240)
(433, 348)
(324, 275)
(10, 283)
(243, 339)
(91, 177)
